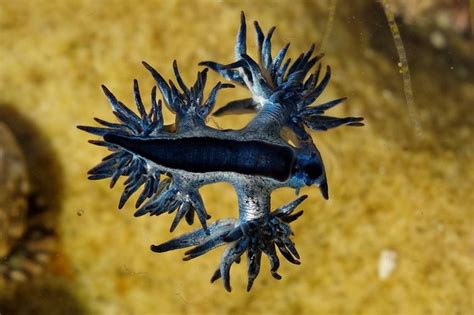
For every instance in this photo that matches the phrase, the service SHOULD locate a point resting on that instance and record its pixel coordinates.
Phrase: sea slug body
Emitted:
(275, 149)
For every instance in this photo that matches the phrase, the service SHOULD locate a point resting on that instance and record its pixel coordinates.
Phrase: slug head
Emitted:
(308, 169)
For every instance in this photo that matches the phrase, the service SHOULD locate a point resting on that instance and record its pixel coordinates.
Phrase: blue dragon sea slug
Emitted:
(275, 149)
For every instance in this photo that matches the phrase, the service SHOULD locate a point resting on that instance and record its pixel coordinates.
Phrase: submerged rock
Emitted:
(14, 190)
(25, 245)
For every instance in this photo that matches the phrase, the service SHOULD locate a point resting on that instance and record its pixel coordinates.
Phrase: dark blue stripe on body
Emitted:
(206, 154)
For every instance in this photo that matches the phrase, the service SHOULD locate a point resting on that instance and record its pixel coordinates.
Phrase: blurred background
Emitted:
(395, 237)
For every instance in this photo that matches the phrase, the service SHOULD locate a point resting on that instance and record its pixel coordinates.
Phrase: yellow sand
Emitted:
(390, 189)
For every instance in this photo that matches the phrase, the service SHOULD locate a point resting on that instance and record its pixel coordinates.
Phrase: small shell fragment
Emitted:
(387, 263)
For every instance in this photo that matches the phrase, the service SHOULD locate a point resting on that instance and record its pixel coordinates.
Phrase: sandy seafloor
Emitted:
(391, 188)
